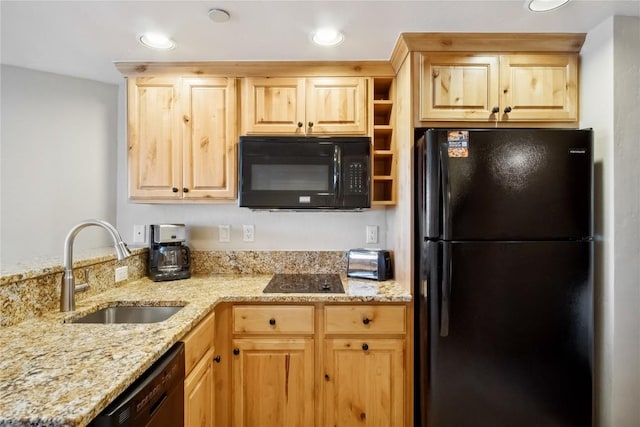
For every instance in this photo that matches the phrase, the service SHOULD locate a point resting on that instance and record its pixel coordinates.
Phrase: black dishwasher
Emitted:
(156, 399)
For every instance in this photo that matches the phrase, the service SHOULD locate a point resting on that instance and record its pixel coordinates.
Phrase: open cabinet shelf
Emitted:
(383, 157)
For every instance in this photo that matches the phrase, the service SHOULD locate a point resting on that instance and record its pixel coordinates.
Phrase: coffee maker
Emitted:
(169, 257)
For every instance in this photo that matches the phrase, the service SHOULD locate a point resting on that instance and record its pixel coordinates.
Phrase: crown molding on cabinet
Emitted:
(485, 42)
(258, 68)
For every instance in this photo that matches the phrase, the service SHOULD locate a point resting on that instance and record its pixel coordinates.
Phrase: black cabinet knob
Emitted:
(366, 320)
(272, 321)
(507, 110)
(217, 359)
(310, 124)
(365, 346)
(495, 110)
(299, 124)
(174, 189)
(236, 351)
(185, 190)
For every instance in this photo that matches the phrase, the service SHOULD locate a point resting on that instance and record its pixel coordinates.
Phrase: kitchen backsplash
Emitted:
(268, 262)
(36, 290)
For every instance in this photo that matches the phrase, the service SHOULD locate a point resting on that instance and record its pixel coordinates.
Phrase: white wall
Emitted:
(610, 94)
(58, 162)
(64, 160)
(626, 342)
(273, 230)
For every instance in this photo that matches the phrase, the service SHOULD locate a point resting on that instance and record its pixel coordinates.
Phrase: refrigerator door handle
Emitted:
(446, 192)
(429, 184)
(445, 291)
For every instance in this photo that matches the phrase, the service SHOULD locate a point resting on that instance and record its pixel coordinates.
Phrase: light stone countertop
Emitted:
(61, 374)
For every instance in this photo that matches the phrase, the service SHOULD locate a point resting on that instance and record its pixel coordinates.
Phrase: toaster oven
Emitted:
(372, 264)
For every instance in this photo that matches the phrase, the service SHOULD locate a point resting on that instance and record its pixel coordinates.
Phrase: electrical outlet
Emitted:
(372, 234)
(224, 233)
(122, 273)
(247, 233)
(139, 233)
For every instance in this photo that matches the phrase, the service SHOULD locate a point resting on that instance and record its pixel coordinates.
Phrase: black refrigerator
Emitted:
(504, 283)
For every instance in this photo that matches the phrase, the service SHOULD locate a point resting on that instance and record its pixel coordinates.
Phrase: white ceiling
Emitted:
(84, 38)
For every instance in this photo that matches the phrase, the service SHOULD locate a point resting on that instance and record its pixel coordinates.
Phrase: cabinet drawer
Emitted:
(198, 342)
(359, 319)
(273, 319)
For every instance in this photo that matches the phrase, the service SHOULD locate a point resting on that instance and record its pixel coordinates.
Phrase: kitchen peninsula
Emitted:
(54, 373)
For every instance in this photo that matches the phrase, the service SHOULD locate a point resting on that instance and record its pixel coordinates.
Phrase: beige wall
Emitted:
(273, 230)
(610, 93)
(58, 162)
(64, 161)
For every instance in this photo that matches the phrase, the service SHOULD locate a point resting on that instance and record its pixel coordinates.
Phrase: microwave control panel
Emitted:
(355, 175)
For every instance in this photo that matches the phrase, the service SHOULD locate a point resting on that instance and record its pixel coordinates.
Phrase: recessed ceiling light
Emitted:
(544, 5)
(157, 41)
(219, 15)
(327, 37)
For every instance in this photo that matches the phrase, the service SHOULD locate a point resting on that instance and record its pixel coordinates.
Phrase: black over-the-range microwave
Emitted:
(292, 172)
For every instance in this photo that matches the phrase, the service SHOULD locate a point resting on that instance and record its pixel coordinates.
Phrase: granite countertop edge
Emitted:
(57, 374)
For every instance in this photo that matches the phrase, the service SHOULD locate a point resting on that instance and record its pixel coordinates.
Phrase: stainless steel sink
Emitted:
(129, 314)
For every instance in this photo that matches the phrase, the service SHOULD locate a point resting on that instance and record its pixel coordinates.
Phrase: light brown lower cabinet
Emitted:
(199, 380)
(364, 382)
(304, 365)
(273, 382)
(364, 365)
(198, 394)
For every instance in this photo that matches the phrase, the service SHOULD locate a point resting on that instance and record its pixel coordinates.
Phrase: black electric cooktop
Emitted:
(305, 283)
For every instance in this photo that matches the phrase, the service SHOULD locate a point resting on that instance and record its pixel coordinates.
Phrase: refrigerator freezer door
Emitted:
(518, 349)
(511, 184)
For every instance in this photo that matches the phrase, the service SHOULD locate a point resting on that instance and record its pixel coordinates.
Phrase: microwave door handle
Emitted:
(337, 170)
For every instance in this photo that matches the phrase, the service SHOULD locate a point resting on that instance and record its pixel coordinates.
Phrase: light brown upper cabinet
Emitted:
(498, 88)
(181, 138)
(539, 87)
(305, 106)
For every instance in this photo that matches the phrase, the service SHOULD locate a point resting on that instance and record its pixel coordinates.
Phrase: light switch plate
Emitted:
(224, 233)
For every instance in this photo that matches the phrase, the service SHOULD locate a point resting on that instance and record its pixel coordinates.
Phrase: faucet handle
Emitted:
(83, 286)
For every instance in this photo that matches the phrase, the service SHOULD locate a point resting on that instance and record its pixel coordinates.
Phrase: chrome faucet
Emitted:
(68, 287)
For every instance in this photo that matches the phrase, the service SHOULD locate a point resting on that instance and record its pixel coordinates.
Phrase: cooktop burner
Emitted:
(305, 283)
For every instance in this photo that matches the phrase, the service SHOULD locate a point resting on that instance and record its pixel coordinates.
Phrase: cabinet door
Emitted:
(209, 159)
(273, 382)
(154, 150)
(273, 106)
(364, 382)
(198, 394)
(539, 87)
(458, 87)
(336, 105)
